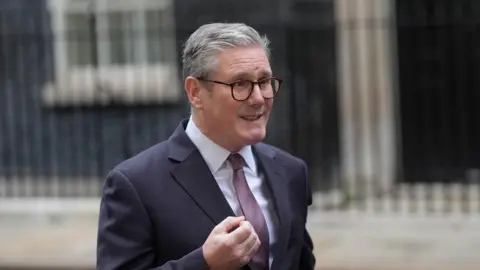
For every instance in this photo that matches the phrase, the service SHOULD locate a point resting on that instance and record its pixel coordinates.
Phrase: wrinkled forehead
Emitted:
(243, 62)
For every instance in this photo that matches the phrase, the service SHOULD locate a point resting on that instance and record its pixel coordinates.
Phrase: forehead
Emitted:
(244, 61)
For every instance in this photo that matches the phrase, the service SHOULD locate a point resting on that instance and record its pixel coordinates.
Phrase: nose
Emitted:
(256, 97)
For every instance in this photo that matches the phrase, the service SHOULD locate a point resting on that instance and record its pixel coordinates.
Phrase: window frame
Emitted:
(170, 91)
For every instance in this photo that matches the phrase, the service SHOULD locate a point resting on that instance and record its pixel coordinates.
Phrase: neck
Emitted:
(199, 121)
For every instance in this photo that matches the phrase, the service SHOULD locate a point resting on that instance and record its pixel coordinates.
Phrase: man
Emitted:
(212, 196)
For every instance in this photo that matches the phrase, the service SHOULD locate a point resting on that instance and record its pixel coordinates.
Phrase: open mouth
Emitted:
(251, 118)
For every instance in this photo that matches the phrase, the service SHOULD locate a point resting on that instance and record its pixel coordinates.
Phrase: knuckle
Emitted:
(242, 231)
(222, 244)
(237, 253)
(218, 226)
(225, 222)
(230, 244)
(215, 230)
(254, 238)
(245, 260)
(225, 244)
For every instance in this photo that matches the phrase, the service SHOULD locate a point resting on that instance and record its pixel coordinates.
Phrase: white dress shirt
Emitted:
(216, 158)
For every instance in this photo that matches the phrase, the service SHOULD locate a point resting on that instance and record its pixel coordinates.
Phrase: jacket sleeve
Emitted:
(124, 237)
(307, 259)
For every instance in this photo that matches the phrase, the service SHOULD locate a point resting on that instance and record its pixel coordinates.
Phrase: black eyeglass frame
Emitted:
(251, 89)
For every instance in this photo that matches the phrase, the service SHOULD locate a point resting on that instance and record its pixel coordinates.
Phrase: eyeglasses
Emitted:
(242, 89)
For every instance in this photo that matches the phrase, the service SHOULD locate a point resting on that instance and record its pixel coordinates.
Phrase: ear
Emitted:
(193, 87)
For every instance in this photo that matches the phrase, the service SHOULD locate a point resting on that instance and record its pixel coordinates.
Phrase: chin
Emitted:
(252, 132)
(254, 136)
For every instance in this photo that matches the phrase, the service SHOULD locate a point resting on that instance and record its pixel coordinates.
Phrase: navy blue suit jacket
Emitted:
(158, 208)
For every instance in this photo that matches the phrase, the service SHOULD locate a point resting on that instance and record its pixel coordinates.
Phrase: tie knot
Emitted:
(237, 161)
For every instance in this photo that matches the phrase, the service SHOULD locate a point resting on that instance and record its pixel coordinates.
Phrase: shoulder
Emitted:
(140, 177)
(146, 157)
(152, 160)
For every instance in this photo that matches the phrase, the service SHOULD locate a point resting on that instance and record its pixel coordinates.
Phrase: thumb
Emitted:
(229, 223)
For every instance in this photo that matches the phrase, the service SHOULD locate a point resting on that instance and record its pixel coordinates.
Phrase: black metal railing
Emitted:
(382, 108)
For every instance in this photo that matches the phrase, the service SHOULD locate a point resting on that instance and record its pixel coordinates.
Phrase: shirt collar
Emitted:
(214, 154)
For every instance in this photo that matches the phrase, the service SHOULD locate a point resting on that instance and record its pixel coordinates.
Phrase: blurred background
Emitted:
(379, 98)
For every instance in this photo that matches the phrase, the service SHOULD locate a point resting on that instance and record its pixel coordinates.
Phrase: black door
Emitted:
(439, 67)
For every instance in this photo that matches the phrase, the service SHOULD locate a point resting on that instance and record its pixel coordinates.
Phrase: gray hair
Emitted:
(201, 48)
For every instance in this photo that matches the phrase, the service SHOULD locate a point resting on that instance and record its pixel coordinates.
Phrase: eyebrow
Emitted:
(243, 75)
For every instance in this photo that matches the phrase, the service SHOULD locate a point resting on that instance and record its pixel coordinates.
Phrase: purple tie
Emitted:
(252, 211)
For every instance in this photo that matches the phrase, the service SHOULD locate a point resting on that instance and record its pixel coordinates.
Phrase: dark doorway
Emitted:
(439, 67)
(305, 118)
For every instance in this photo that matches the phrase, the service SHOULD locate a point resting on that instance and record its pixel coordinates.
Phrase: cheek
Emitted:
(269, 103)
(226, 112)
(268, 106)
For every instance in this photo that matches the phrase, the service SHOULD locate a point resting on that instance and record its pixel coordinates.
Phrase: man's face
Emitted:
(231, 122)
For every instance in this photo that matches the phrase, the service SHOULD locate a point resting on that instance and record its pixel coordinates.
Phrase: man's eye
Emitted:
(264, 83)
(241, 84)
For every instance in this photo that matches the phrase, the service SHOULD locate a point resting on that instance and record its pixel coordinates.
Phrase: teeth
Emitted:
(251, 118)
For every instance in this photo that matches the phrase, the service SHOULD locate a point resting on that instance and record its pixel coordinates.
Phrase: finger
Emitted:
(241, 233)
(249, 226)
(229, 223)
(236, 227)
(250, 245)
(254, 247)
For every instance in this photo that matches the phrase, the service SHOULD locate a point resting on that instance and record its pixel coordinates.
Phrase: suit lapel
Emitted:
(195, 177)
(275, 176)
(193, 174)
